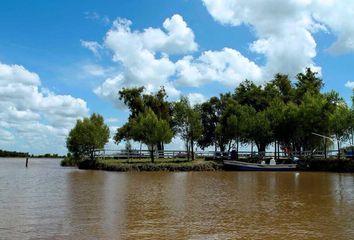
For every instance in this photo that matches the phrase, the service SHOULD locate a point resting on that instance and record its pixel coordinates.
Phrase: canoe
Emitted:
(245, 166)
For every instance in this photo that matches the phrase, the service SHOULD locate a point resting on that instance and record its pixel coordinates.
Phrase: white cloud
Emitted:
(335, 15)
(227, 66)
(97, 17)
(284, 30)
(350, 84)
(94, 70)
(94, 47)
(196, 98)
(35, 115)
(136, 53)
(112, 120)
(6, 137)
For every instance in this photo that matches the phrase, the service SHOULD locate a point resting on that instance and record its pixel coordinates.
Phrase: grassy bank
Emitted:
(68, 162)
(171, 165)
(181, 164)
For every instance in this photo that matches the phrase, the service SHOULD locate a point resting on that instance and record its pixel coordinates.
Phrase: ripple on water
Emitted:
(49, 202)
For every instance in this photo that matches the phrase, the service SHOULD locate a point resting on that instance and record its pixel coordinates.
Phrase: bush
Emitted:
(68, 162)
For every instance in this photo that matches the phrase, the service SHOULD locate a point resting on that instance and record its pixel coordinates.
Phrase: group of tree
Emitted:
(282, 112)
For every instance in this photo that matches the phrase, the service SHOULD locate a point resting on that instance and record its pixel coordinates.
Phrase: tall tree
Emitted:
(187, 123)
(150, 130)
(340, 123)
(138, 102)
(307, 82)
(248, 93)
(87, 136)
(210, 114)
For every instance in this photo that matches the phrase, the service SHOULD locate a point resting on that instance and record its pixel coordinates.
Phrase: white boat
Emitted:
(245, 166)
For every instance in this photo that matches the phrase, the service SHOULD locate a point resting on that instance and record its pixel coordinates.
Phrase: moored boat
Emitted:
(245, 166)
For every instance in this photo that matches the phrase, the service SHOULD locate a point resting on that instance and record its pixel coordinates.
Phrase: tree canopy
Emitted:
(282, 111)
(87, 136)
(150, 130)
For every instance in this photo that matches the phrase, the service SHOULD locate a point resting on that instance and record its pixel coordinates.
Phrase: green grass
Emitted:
(147, 165)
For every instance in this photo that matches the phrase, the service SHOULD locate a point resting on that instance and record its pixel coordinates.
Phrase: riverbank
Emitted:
(327, 165)
(171, 165)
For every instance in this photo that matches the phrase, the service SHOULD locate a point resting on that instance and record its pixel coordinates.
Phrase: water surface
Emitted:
(47, 201)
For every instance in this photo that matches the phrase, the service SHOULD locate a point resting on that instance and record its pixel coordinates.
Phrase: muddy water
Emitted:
(46, 201)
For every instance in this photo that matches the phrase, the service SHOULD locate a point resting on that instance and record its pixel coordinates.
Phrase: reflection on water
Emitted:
(49, 202)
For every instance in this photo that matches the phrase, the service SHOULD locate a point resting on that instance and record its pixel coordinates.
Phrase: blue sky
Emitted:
(67, 59)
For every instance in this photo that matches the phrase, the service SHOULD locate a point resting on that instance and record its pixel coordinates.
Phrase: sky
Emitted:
(64, 60)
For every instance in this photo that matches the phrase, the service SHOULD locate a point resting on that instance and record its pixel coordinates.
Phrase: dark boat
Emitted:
(245, 166)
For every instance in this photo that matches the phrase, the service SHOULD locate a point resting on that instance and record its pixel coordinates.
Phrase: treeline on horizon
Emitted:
(279, 112)
(5, 153)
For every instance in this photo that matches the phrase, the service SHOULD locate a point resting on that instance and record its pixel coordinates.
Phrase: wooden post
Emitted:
(26, 162)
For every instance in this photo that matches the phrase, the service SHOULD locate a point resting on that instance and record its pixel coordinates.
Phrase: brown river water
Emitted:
(47, 201)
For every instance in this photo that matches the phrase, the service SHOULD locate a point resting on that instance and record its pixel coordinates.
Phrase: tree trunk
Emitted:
(215, 150)
(261, 148)
(229, 147)
(278, 150)
(192, 147)
(325, 148)
(160, 149)
(338, 144)
(188, 154)
(222, 148)
(152, 153)
(237, 148)
(252, 149)
(92, 155)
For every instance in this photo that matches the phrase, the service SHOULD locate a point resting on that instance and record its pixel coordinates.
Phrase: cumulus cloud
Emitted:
(136, 52)
(284, 30)
(196, 98)
(350, 84)
(144, 60)
(33, 114)
(335, 15)
(227, 66)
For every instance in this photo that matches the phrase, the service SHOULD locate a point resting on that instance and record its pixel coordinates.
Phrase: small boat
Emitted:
(245, 166)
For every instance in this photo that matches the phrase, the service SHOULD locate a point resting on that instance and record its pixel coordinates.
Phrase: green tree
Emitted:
(259, 131)
(248, 93)
(138, 102)
(307, 82)
(87, 136)
(210, 118)
(187, 123)
(150, 130)
(340, 121)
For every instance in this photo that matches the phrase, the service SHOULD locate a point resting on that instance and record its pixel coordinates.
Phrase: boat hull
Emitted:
(243, 166)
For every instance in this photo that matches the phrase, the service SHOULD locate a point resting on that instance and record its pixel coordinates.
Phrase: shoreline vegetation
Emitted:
(160, 164)
(200, 164)
(137, 165)
(14, 154)
(289, 115)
